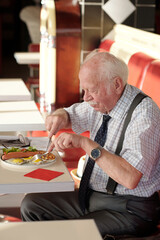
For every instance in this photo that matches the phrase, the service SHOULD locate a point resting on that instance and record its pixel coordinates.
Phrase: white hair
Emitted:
(108, 66)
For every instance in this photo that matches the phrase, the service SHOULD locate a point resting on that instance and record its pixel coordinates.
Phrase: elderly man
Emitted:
(118, 187)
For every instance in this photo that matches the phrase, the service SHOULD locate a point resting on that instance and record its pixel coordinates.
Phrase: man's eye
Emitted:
(93, 91)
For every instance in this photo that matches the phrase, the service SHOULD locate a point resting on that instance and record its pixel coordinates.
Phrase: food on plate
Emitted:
(37, 161)
(28, 159)
(9, 153)
(48, 156)
(16, 161)
(25, 153)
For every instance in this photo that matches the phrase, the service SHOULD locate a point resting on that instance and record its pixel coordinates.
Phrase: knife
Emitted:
(49, 142)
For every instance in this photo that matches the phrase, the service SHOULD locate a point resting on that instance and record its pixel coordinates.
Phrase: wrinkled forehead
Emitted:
(91, 79)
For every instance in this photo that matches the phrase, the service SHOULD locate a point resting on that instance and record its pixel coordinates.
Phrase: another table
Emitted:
(13, 90)
(20, 116)
(13, 181)
(27, 57)
(49, 230)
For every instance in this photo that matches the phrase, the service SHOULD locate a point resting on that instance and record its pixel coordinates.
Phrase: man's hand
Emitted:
(56, 121)
(67, 140)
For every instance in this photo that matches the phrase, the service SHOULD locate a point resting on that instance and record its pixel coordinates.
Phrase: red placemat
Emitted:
(43, 174)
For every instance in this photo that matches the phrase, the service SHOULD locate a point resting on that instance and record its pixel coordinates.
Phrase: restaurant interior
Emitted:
(42, 46)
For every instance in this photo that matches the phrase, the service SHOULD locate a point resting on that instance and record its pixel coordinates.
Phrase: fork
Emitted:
(39, 156)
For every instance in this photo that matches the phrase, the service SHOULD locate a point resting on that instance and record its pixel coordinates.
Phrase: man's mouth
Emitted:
(92, 103)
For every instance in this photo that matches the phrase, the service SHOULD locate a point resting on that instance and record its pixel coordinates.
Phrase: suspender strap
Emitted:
(111, 185)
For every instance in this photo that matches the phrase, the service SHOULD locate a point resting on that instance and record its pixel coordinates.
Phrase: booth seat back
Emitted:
(138, 62)
(106, 44)
(116, 49)
(151, 81)
(138, 65)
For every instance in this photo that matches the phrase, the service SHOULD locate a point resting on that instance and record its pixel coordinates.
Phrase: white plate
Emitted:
(9, 165)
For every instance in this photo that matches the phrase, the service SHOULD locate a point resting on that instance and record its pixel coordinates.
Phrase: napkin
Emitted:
(21, 141)
(43, 174)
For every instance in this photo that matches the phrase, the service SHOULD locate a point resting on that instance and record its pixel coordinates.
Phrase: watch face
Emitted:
(95, 153)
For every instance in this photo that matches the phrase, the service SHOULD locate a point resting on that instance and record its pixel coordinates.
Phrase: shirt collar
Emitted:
(124, 102)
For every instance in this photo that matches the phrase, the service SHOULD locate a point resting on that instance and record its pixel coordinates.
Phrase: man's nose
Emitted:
(86, 96)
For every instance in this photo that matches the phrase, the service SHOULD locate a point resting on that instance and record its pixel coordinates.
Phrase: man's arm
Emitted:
(115, 166)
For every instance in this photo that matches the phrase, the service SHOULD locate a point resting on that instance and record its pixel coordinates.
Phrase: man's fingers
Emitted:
(51, 147)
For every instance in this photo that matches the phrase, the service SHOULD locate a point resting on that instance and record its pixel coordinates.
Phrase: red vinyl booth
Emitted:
(137, 65)
(106, 44)
(151, 81)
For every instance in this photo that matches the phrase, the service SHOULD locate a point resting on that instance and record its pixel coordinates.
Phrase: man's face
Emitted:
(98, 93)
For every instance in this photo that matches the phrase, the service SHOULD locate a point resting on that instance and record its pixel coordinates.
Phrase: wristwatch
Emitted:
(96, 153)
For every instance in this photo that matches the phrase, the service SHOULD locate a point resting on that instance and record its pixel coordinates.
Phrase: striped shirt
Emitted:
(141, 146)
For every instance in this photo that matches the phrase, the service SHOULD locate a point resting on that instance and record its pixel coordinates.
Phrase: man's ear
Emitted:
(118, 84)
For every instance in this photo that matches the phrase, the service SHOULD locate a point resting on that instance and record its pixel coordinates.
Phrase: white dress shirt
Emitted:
(141, 146)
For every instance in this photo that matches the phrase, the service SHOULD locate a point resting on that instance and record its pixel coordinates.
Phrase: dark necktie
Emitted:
(100, 138)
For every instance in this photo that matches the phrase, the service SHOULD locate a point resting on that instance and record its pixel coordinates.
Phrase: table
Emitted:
(20, 116)
(27, 57)
(13, 181)
(49, 230)
(13, 90)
